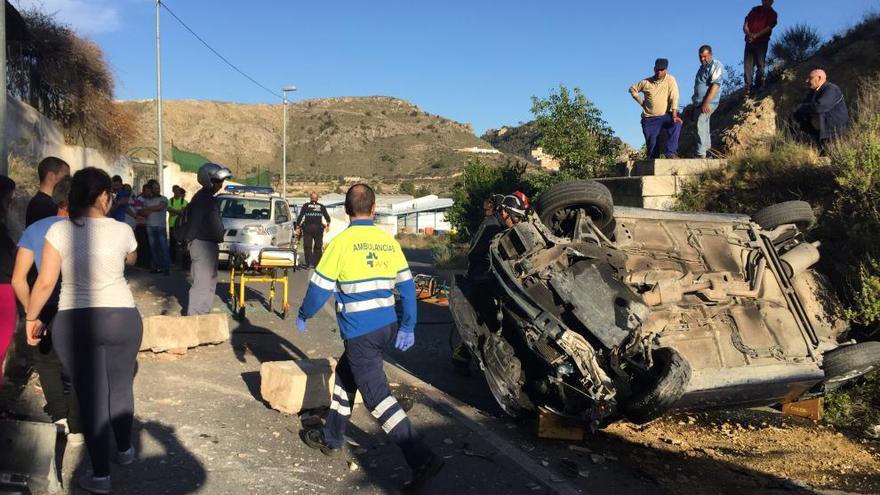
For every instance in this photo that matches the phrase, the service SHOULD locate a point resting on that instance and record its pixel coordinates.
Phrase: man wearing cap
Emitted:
(659, 109)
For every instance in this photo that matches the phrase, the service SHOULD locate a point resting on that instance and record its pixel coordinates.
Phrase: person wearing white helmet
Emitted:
(203, 234)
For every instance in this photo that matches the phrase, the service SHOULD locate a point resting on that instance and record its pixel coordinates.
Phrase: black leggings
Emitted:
(99, 347)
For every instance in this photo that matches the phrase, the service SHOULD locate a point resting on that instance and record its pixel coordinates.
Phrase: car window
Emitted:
(281, 212)
(249, 208)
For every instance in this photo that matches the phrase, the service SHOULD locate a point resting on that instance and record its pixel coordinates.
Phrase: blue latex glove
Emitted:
(301, 325)
(405, 340)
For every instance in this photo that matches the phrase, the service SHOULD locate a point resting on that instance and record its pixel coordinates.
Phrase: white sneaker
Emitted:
(91, 483)
(126, 457)
(75, 439)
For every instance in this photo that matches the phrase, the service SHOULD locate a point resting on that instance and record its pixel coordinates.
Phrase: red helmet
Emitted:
(522, 197)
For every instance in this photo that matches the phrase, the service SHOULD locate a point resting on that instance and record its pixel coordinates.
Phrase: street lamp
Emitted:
(288, 89)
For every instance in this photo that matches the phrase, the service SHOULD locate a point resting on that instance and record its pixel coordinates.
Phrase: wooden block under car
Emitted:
(811, 408)
(556, 427)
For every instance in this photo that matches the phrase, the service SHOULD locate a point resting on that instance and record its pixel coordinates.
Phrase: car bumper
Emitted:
(252, 239)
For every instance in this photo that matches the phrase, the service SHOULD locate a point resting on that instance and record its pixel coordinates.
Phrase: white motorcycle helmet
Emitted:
(211, 172)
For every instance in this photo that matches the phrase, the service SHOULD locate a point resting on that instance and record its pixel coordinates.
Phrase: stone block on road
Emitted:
(162, 333)
(294, 386)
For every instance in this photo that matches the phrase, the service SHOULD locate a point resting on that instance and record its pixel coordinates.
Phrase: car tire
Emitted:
(848, 362)
(554, 204)
(666, 384)
(800, 213)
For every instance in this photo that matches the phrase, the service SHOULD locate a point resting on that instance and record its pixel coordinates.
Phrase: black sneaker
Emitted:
(315, 439)
(422, 475)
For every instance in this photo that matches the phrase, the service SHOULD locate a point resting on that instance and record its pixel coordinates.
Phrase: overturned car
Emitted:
(606, 313)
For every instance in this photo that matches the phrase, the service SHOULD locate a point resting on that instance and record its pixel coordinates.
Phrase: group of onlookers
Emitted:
(80, 320)
(66, 278)
(821, 118)
(150, 214)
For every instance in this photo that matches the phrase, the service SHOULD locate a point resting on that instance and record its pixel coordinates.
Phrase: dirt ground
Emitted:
(747, 451)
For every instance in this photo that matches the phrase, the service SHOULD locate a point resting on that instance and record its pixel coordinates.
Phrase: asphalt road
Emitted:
(202, 426)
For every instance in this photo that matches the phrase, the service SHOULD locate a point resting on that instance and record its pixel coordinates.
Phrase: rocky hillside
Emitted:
(364, 136)
(517, 141)
(738, 124)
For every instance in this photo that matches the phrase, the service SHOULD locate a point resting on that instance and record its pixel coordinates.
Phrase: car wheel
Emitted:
(848, 362)
(557, 205)
(661, 389)
(800, 213)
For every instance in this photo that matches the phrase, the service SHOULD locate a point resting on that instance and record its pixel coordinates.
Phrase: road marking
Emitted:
(470, 418)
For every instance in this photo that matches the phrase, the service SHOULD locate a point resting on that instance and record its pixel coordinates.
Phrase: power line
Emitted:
(215, 52)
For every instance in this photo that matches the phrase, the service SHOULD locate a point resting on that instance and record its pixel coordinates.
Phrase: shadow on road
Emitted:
(175, 472)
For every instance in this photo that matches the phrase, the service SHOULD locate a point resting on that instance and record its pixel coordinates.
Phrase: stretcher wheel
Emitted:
(271, 299)
(241, 312)
(284, 314)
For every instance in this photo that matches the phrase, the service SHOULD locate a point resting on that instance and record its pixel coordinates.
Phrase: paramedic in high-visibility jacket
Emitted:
(363, 265)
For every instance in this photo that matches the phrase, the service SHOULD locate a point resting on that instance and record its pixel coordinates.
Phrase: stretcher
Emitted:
(255, 263)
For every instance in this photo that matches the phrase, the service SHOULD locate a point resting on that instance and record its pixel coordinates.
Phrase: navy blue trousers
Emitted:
(360, 368)
(653, 126)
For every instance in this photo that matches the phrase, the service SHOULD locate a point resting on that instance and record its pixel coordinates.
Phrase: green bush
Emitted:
(866, 301)
(450, 255)
(856, 404)
(478, 182)
(795, 45)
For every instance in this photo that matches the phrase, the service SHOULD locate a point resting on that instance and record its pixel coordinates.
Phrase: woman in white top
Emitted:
(97, 331)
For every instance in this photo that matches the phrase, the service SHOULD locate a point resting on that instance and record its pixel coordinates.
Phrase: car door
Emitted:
(284, 222)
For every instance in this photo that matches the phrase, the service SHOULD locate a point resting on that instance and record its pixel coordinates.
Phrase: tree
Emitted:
(478, 182)
(572, 129)
(422, 191)
(66, 77)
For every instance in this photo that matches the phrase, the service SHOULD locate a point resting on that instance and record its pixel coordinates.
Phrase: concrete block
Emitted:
(650, 202)
(651, 185)
(294, 386)
(28, 450)
(659, 202)
(162, 333)
(212, 328)
(678, 166)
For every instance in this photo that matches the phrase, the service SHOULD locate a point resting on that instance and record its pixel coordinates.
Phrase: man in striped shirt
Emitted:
(362, 266)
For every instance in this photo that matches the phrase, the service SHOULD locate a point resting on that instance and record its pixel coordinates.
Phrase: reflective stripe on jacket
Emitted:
(362, 266)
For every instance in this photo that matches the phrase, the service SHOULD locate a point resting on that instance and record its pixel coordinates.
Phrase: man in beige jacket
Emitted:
(659, 109)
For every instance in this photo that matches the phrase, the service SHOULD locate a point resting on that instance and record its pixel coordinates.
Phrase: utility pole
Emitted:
(161, 158)
(4, 157)
(284, 92)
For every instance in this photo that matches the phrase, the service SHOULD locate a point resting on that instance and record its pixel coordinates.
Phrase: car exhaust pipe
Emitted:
(801, 257)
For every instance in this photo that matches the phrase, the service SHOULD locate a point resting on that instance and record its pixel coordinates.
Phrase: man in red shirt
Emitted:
(757, 28)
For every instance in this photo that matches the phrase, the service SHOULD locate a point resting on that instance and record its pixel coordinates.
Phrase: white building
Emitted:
(394, 213)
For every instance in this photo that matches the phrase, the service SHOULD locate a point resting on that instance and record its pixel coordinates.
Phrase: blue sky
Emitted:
(477, 62)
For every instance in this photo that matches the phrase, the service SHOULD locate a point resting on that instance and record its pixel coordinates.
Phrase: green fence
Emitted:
(188, 161)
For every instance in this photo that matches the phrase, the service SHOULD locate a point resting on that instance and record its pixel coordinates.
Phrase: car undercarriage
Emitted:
(631, 314)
